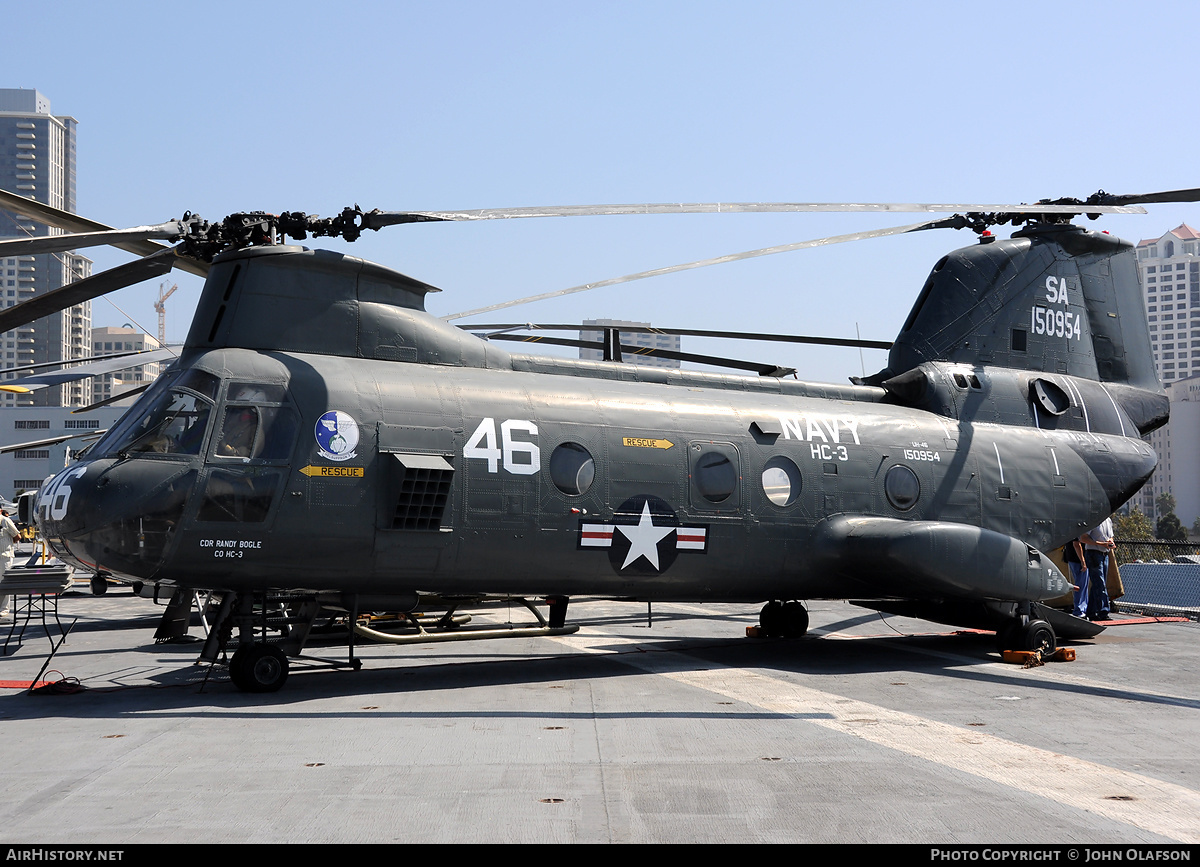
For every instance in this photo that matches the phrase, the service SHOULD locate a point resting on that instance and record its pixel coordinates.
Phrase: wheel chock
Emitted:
(1032, 658)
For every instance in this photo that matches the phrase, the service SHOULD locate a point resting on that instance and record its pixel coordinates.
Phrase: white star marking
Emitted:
(643, 538)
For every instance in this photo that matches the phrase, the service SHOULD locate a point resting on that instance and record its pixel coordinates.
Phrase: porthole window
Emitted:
(572, 469)
(716, 477)
(781, 481)
(902, 487)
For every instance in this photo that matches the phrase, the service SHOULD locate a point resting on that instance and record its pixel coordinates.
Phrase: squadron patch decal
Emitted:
(644, 536)
(337, 435)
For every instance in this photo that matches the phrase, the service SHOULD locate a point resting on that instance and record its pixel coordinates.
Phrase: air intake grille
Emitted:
(422, 500)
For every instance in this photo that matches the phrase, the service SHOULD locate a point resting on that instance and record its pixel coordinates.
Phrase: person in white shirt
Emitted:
(8, 538)
(1097, 545)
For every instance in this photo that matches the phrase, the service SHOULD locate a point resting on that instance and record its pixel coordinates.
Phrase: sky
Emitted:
(223, 106)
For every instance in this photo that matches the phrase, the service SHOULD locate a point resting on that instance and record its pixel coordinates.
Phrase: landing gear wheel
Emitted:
(1037, 635)
(99, 585)
(771, 620)
(795, 620)
(258, 668)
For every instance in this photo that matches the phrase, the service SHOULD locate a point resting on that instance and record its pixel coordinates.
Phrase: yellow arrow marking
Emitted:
(343, 472)
(639, 443)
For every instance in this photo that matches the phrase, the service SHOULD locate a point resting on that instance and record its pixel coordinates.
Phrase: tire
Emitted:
(795, 620)
(1038, 635)
(258, 668)
(99, 585)
(771, 620)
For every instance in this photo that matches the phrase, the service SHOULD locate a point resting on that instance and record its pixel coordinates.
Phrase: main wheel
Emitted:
(771, 619)
(99, 585)
(258, 668)
(795, 620)
(1038, 635)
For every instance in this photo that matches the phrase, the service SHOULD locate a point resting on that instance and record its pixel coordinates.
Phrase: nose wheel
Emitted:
(783, 619)
(258, 668)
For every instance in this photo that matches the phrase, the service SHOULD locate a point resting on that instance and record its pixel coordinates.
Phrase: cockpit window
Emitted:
(256, 392)
(174, 424)
(140, 429)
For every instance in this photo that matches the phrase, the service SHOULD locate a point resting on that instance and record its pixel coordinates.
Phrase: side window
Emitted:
(715, 476)
(257, 424)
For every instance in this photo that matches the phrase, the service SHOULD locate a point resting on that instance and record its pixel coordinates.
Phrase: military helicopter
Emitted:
(323, 436)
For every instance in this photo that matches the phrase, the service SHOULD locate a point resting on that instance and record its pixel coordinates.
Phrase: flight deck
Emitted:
(668, 725)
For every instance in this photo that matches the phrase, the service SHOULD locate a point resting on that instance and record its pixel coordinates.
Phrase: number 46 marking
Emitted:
(482, 445)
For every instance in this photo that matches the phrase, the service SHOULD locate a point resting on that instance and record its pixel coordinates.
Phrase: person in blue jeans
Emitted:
(1074, 554)
(1097, 544)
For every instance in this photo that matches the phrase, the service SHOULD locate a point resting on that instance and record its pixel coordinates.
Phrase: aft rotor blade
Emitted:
(111, 280)
(733, 257)
(379, 219)
(715, 360)
(172, 230)
(683, 332)
(69, 222)
(1192, 195)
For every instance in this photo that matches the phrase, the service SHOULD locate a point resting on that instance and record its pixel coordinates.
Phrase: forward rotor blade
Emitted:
(683, 332)
(733, 257)
(379, 219)
(69, 222)
(91, 287)
(60, 243)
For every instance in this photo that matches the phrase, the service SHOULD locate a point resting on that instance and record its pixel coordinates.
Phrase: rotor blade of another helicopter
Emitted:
(96, 368)
(733, 257)
(69, 222)
(15, 447)
(128, 274)
(379, 219)
(684, 332)
(172, 230)
(61, 362)
(112, 399)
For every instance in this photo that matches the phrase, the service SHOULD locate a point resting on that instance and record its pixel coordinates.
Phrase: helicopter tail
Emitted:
(1054, 299)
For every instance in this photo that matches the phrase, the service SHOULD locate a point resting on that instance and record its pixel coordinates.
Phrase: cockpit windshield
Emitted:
(170, 420)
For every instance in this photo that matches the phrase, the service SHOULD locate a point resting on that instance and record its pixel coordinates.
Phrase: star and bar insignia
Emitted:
(644, 536)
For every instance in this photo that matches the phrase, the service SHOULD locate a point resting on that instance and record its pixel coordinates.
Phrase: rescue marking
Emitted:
(343, 472)
(638, 443)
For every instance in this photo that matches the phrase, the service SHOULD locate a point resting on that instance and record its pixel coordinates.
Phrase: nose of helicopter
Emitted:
(115, 515)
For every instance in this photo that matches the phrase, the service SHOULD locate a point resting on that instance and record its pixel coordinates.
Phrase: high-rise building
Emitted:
(630, 338)
(37, 160)
(1169, 267)
(109, 340)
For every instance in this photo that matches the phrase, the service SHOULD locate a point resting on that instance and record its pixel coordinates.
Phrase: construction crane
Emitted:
(160, 307)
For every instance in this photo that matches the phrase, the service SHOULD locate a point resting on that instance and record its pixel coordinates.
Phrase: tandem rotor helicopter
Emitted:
(324, 440)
